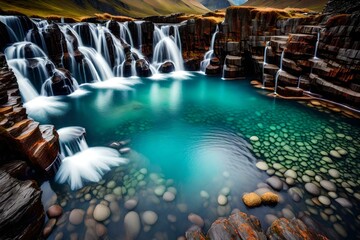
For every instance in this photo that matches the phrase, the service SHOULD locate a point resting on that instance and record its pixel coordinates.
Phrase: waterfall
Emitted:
(14, 27)
(41, 25)
(209, 54)
(27, 90)
(317, 45)
(24, 50)
(165, 49)
(126, 34)
(81, 162)
(72, 140)
(139, 34)
(278, 72)
(264, 63)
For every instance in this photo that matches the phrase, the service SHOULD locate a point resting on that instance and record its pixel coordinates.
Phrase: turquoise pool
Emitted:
(191, 153)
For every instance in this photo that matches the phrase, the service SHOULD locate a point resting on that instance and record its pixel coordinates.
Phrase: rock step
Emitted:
(18, 114)
(48, 133)
(5, 110)
(309, 29)
(287, 79)
(18, 127)
(233, 60)
(30, 136)
(271, 69)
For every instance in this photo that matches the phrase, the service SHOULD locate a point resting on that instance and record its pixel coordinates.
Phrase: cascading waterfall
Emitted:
(209, 54)
(165, 49)
(278, 72)
(30, 37)
(14, 27)
(317, 45)
(264, 63)
(82, 163)
(139, 34)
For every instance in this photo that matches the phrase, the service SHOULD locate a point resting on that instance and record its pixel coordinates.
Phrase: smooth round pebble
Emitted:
(344, 202)
(290, 173)
(312, 189)
(169, 196)
(149, 217)
(54, 211)
(340, 230)
(275, 183)
(76, 216)
(101, 213)
(222, 200)
(196, 219)
(327, 185)
(131, 204)
(334, 173)
(335, 154)
(254, 138)
(132, 225)
(262, 165)
(324, 200)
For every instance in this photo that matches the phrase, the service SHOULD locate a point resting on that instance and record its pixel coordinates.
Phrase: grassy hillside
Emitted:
(81, 8)
(316, 5)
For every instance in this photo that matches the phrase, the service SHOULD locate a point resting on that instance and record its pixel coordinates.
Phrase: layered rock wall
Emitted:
(20, 136)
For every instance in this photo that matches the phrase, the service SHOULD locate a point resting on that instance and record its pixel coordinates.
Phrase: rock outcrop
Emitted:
(21, 137)
(242, 226)
(21, 212)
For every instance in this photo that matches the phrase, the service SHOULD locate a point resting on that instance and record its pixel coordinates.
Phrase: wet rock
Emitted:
(344, 202)
(312, 189)
(54, 211)
(194, 233)
(167, 67)
(132, 225)
(131, 204)
(251, 200)
(143, 68)
(269, 198)
(334, 173)
(329, 186)
(324, 200)
(101, 212)
(275, 183)
(290, 173)
(196, 219)
(290, 229)
(169, 196)
(49, 227)
(149, 217)
(222, 229)
(100, 230)
(246, 226)
(21, 211)
(262, 165)
(222, 200)
(76, 216)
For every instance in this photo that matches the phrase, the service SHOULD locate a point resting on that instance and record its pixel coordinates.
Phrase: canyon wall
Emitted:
(25, 147)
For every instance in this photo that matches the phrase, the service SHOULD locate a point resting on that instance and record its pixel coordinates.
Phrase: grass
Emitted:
(314, 5)
(130, 8)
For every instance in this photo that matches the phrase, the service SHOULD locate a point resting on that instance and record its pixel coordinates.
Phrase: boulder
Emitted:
(21, 212)
(167, 67)
(294, 229)
(143, 68)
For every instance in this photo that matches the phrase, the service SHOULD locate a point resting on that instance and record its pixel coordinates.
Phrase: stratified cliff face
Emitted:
(21, 211)
(21, 137)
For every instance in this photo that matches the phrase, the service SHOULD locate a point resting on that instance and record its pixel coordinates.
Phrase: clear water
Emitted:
(192, 136)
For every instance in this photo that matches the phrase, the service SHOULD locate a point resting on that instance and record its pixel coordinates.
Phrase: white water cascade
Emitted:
(265, 62)
(166, 48)
(278, 72)
(209, 54)
(317, 46)
(14, 27)
(81, 163)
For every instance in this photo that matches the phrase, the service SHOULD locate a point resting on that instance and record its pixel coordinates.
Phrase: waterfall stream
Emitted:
(209, 54)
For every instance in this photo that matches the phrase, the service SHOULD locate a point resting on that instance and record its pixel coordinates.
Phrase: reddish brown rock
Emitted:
(49, 227)
(54, 211)
(194, 233)
(282, 229)
(247, 227)
(222, 229)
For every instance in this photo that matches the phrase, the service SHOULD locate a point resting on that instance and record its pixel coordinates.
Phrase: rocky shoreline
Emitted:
(288, 49)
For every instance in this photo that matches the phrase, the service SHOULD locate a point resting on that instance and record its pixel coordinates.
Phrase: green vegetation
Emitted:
(87, 8)
(310, 4)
